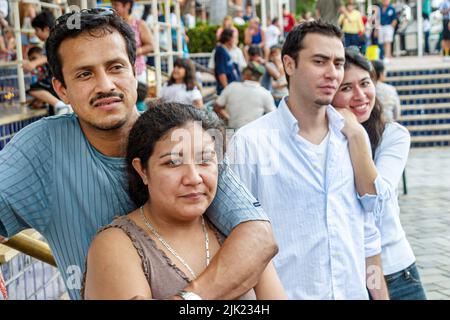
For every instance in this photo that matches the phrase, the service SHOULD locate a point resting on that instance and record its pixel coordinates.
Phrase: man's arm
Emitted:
(238, 265)
(223, 80)
(375, 282)
(146, 39)
(220, 110)
(28, 66)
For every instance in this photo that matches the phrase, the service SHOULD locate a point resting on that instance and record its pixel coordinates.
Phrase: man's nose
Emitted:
(104, 82)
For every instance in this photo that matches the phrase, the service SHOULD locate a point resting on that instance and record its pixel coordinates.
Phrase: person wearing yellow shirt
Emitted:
(352, 25)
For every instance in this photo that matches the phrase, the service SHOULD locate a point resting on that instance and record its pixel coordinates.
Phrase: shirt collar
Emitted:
(335, 119)
(252, 83)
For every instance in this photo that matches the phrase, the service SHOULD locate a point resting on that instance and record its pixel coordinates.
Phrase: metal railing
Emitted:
(29, 278)
(56, 5)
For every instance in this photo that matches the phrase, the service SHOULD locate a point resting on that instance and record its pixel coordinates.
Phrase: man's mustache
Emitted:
(106, 95)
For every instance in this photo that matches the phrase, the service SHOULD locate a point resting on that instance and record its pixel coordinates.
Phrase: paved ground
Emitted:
(425, 215)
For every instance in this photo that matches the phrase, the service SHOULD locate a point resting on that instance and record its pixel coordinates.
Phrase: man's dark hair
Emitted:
(275, 20)
(44, 19)
(124, 2)
(294, 39)
(255, 50)
(96, 23)
(226, 35)
(34, 50)
(151, 127)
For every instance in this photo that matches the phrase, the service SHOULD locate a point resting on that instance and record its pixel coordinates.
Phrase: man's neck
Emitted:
(111, 143)
(313, 121)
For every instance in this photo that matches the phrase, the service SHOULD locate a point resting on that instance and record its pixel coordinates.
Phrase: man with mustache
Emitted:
(64, 176)
(295, 160)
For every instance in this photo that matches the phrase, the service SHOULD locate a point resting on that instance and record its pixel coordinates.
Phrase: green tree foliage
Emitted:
(202, 38)
(303, 6)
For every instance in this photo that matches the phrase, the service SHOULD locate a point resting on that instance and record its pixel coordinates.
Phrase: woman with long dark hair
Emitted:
(182, 85)
(379, 174)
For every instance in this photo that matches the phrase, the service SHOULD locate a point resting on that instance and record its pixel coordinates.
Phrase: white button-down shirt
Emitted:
(323, 229)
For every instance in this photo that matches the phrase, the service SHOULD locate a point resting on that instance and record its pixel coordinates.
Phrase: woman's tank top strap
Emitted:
(257, 38)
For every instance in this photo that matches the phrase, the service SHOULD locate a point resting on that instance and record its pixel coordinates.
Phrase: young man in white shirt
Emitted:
(296, 162)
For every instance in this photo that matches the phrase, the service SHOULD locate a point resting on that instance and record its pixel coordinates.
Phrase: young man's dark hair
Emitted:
(34, 50)
(226, 35)
(96, 22)
(294, 40)
(254, 70)
(44, 19)
(124, 2)
(275, 20)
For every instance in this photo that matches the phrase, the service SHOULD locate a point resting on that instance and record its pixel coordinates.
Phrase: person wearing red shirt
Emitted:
(288, 20)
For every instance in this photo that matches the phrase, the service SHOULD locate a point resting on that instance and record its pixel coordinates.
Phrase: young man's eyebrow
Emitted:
(326, 57)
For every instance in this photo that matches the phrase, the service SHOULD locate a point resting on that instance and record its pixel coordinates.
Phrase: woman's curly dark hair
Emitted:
(151, 127)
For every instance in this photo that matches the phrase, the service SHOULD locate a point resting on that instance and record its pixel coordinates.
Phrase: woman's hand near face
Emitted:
(352, 127)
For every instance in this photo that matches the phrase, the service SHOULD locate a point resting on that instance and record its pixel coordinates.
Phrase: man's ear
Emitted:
(289, 64)
(60, 90)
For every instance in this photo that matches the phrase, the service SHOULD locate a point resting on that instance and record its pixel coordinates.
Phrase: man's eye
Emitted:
(117, 67)
(83, 75)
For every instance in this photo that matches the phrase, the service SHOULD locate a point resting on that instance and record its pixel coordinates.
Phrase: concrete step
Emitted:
(440, 138)
(416, 117)
(425, 96)
(418, 70)
(423, 87)
(419, 77)
(429, 127)
(407, 107)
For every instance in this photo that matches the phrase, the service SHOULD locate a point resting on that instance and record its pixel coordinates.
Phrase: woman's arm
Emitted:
(363, 165)
(146, 39)
(269, 286)
(247, 36)
(114, 268)
(263, 39)
(238, 265)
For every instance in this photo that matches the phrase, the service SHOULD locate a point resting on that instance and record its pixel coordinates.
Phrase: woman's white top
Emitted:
(178, 93)
(390, 160)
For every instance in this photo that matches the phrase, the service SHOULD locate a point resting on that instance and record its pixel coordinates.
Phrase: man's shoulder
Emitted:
(45, 127)
(63, 121)
(261, 125)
